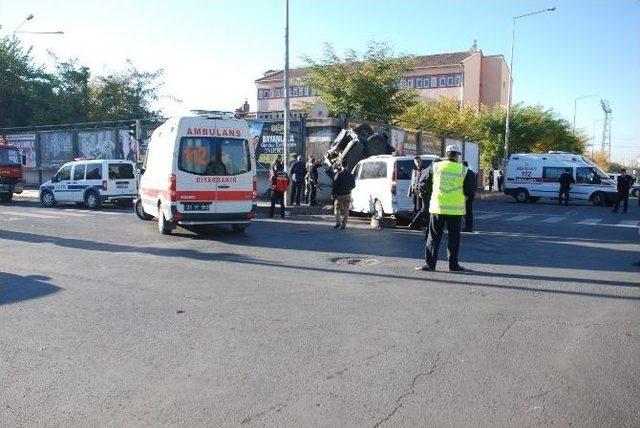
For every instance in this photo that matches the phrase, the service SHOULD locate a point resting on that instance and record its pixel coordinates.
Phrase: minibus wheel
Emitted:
(164, 226)
(140, 211)
(597, 199)
(522, 195)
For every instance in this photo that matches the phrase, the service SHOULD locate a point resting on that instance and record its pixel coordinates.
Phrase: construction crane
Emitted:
(606, 128)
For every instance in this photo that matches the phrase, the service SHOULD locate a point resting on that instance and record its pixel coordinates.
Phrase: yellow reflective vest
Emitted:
(448, 182)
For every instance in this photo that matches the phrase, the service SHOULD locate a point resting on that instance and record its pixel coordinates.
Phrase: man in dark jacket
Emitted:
(468, 216)
(566, 180)
(424, 192)
(624, 185)
(311, 182)
(298, 173)
(343, 184)
(414, 191)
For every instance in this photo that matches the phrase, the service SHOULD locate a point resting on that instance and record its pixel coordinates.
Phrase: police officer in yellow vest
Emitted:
(450, 186)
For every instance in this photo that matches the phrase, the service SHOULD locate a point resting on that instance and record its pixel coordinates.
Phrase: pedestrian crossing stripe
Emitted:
(23, 214)
(590, 221)
(520, 218)
(553, 219)
(485, 216)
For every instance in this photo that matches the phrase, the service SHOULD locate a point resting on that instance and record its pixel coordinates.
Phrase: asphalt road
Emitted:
(104, 322)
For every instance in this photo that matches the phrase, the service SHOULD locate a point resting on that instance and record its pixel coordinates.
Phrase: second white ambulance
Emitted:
(199, 170)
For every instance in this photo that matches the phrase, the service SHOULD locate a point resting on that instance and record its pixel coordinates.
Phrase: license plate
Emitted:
(196, 206)
(122, 184)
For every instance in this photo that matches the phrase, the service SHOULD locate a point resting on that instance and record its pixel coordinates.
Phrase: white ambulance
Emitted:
(531, 176)
(199, 170)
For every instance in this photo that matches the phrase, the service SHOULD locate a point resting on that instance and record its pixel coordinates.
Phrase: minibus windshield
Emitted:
(214, 156)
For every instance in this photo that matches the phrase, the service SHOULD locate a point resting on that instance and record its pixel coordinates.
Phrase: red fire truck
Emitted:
(11, 178)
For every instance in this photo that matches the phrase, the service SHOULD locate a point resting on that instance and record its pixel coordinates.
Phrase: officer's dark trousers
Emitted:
(434, 236)
(468, 217)
(624, 198)
(297, 189)
(563, 191)
(277, 197)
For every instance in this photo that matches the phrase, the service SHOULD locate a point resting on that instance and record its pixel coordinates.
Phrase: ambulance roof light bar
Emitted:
(214, 114)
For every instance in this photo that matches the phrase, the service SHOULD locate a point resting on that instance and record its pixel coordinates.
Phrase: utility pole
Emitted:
(286, 89)
(606, 127)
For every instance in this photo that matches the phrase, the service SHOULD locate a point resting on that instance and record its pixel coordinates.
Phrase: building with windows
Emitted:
(470, 77)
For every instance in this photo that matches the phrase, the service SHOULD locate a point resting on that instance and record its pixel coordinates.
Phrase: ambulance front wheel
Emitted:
(164, 226)
(140, 211)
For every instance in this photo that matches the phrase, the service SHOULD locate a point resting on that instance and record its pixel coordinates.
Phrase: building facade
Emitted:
(469, 77)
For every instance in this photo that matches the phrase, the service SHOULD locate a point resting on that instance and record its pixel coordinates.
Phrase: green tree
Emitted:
(363, 86)
(443, 118)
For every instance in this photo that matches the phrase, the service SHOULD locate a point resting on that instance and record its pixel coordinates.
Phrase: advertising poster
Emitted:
(97, 144)
(270, 144)
(27, 145)
(130, 148)
(56, 148)
(397, 141)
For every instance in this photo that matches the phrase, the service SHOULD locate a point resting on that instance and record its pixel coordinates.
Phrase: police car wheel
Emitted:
(91, 200)
(164, 226)
(47, 199)
(522, 195)
(140, 211)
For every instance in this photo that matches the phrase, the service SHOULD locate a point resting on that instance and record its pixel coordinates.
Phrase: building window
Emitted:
(434, 82)
(277, 92)
(456, 80)
(449, 80)
(425, 81)
(410, 83)
(306, 91)
(442, 81)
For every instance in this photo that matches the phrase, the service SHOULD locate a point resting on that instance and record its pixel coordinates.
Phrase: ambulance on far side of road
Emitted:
(531, 176)
(199, 170)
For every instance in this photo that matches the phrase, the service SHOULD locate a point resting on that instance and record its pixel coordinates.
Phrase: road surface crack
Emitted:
(250, 418)
(399, 403)
(507, 328)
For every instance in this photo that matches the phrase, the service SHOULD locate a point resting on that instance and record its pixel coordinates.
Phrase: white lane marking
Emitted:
(485, 216)
(66, 213)
(21, 214)
(553, 219)
(519, 218)
(628, 223)
(590, 221)
(105, 212)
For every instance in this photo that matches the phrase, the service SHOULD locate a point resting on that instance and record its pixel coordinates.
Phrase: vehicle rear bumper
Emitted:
(212, 218)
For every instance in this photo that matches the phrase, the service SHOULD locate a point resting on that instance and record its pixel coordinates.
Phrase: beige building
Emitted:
(470, 77)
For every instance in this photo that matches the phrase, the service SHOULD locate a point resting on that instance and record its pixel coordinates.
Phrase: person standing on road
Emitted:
(625, 182)
(279, 183)
(491, 180)
(500, 180)
(414, 191)
(450, 183)
(425, 197)
(468, 204)
(343, 184)
(566, 180)
(298, 172)
(312, 182)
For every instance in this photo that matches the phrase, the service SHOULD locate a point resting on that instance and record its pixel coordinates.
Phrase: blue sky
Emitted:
(212, 51)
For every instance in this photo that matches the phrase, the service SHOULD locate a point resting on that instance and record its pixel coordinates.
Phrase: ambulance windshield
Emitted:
(214, 156)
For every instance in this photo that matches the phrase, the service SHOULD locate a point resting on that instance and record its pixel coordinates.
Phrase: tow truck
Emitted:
(11, 177)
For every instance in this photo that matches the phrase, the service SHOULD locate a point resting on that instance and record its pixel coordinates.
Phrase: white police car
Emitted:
(91, 182)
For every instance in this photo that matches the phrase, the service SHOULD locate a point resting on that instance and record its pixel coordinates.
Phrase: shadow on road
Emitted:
(298, 241)
(16, 288)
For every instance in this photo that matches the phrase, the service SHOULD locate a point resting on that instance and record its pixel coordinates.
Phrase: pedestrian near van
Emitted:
(424, 192)
(298, 173)
(625, 182)
(414, 191)
(468, 204)
(491, 180)
(279, 184)
(343, 184)
(450, 184)
(566, 180)
(500, 180)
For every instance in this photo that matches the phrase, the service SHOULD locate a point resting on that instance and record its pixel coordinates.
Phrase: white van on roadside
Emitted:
(531, 176)
(382, 185)
(199, 170)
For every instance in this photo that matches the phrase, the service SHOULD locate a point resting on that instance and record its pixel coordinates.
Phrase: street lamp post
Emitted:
(575, 108)
(513, 40)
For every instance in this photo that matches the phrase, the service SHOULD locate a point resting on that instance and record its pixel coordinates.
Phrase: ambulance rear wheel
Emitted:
(140, 211)
(522, 195)
(164, 226)
(47, 199)
(239, 228)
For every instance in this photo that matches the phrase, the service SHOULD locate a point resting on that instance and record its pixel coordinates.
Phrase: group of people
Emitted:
(499, 181)
(303, 181)
(623, 187)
